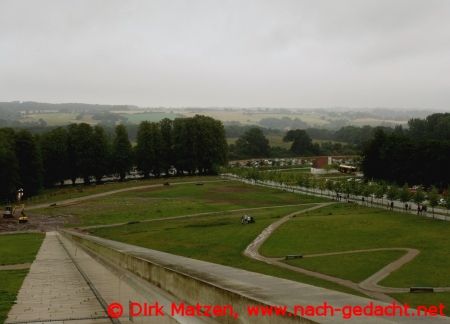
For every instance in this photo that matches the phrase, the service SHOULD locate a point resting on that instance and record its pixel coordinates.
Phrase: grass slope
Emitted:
(69, 192)
(15, 248)
(19, 248)
(11, 281)
(355, 266)
(347, 227)
(219, 239)
(175, 200)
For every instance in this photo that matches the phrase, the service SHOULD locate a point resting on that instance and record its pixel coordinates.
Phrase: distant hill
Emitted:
(17, 106)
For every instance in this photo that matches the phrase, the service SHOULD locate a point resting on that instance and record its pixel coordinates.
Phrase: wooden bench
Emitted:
(421, 289)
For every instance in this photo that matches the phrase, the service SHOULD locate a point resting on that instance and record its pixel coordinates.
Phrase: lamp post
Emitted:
(19, 194)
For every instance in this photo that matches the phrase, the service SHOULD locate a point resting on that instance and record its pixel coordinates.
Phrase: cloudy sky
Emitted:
(240, 53)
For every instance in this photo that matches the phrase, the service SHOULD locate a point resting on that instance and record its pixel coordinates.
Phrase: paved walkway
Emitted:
(67, 285)
(55, 291)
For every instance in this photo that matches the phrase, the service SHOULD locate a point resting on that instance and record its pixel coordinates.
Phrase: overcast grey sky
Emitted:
(241, 53)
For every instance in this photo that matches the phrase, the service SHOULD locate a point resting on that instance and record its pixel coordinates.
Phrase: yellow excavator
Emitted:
(23, 218)
(9, 211)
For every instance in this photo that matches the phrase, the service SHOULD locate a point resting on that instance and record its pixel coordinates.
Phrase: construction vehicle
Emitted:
(23, 218)
(9, 211)
(247, 219)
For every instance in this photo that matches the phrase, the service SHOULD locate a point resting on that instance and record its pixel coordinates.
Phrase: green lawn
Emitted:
(69, 192)
(175, 200)
(19, 248)
(345, 227)
(425, 299)
(355, 266)
(15, 248)
(11, 281)
(219, 239)
(295, 170)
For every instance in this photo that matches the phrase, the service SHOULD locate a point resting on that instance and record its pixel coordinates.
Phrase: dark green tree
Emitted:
(9, 166)
(210, 146)
(253, 144)
(30, 162)
(122, 153)
(183, 145)
(148, 149)
(301, 143)
(404, 194)
(102, 153)
(419, 196)
(433, 198)
(392, 193)
(54, 150)
(166, 154)
(81, 151)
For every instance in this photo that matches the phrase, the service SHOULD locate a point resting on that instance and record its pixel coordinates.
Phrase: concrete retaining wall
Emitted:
(183, 286)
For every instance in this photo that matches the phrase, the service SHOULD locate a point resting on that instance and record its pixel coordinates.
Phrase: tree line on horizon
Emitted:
(253, 143)
(194, 145)
(419, 154)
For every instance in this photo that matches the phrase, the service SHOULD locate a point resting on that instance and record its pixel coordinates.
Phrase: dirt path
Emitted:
(369, 286)
(252, 251)
(225, 212)
(18, 266)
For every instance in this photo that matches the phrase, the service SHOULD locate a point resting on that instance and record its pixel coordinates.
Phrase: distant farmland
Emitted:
(136, 118)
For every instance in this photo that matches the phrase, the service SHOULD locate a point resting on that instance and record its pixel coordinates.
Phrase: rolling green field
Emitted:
(58, 118)
(19, 248)
(69, 192)
(149, 116)
(219, 239)
(15, 249)
(174, 200)
(344, 227)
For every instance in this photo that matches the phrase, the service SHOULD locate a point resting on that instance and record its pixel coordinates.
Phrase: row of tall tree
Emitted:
(184, 145)
(417, 155)
(355, 188)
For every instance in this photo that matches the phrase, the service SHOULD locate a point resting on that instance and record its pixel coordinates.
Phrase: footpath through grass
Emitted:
(345, 227)
(81, 190)
(173, 200)
(220, 239)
